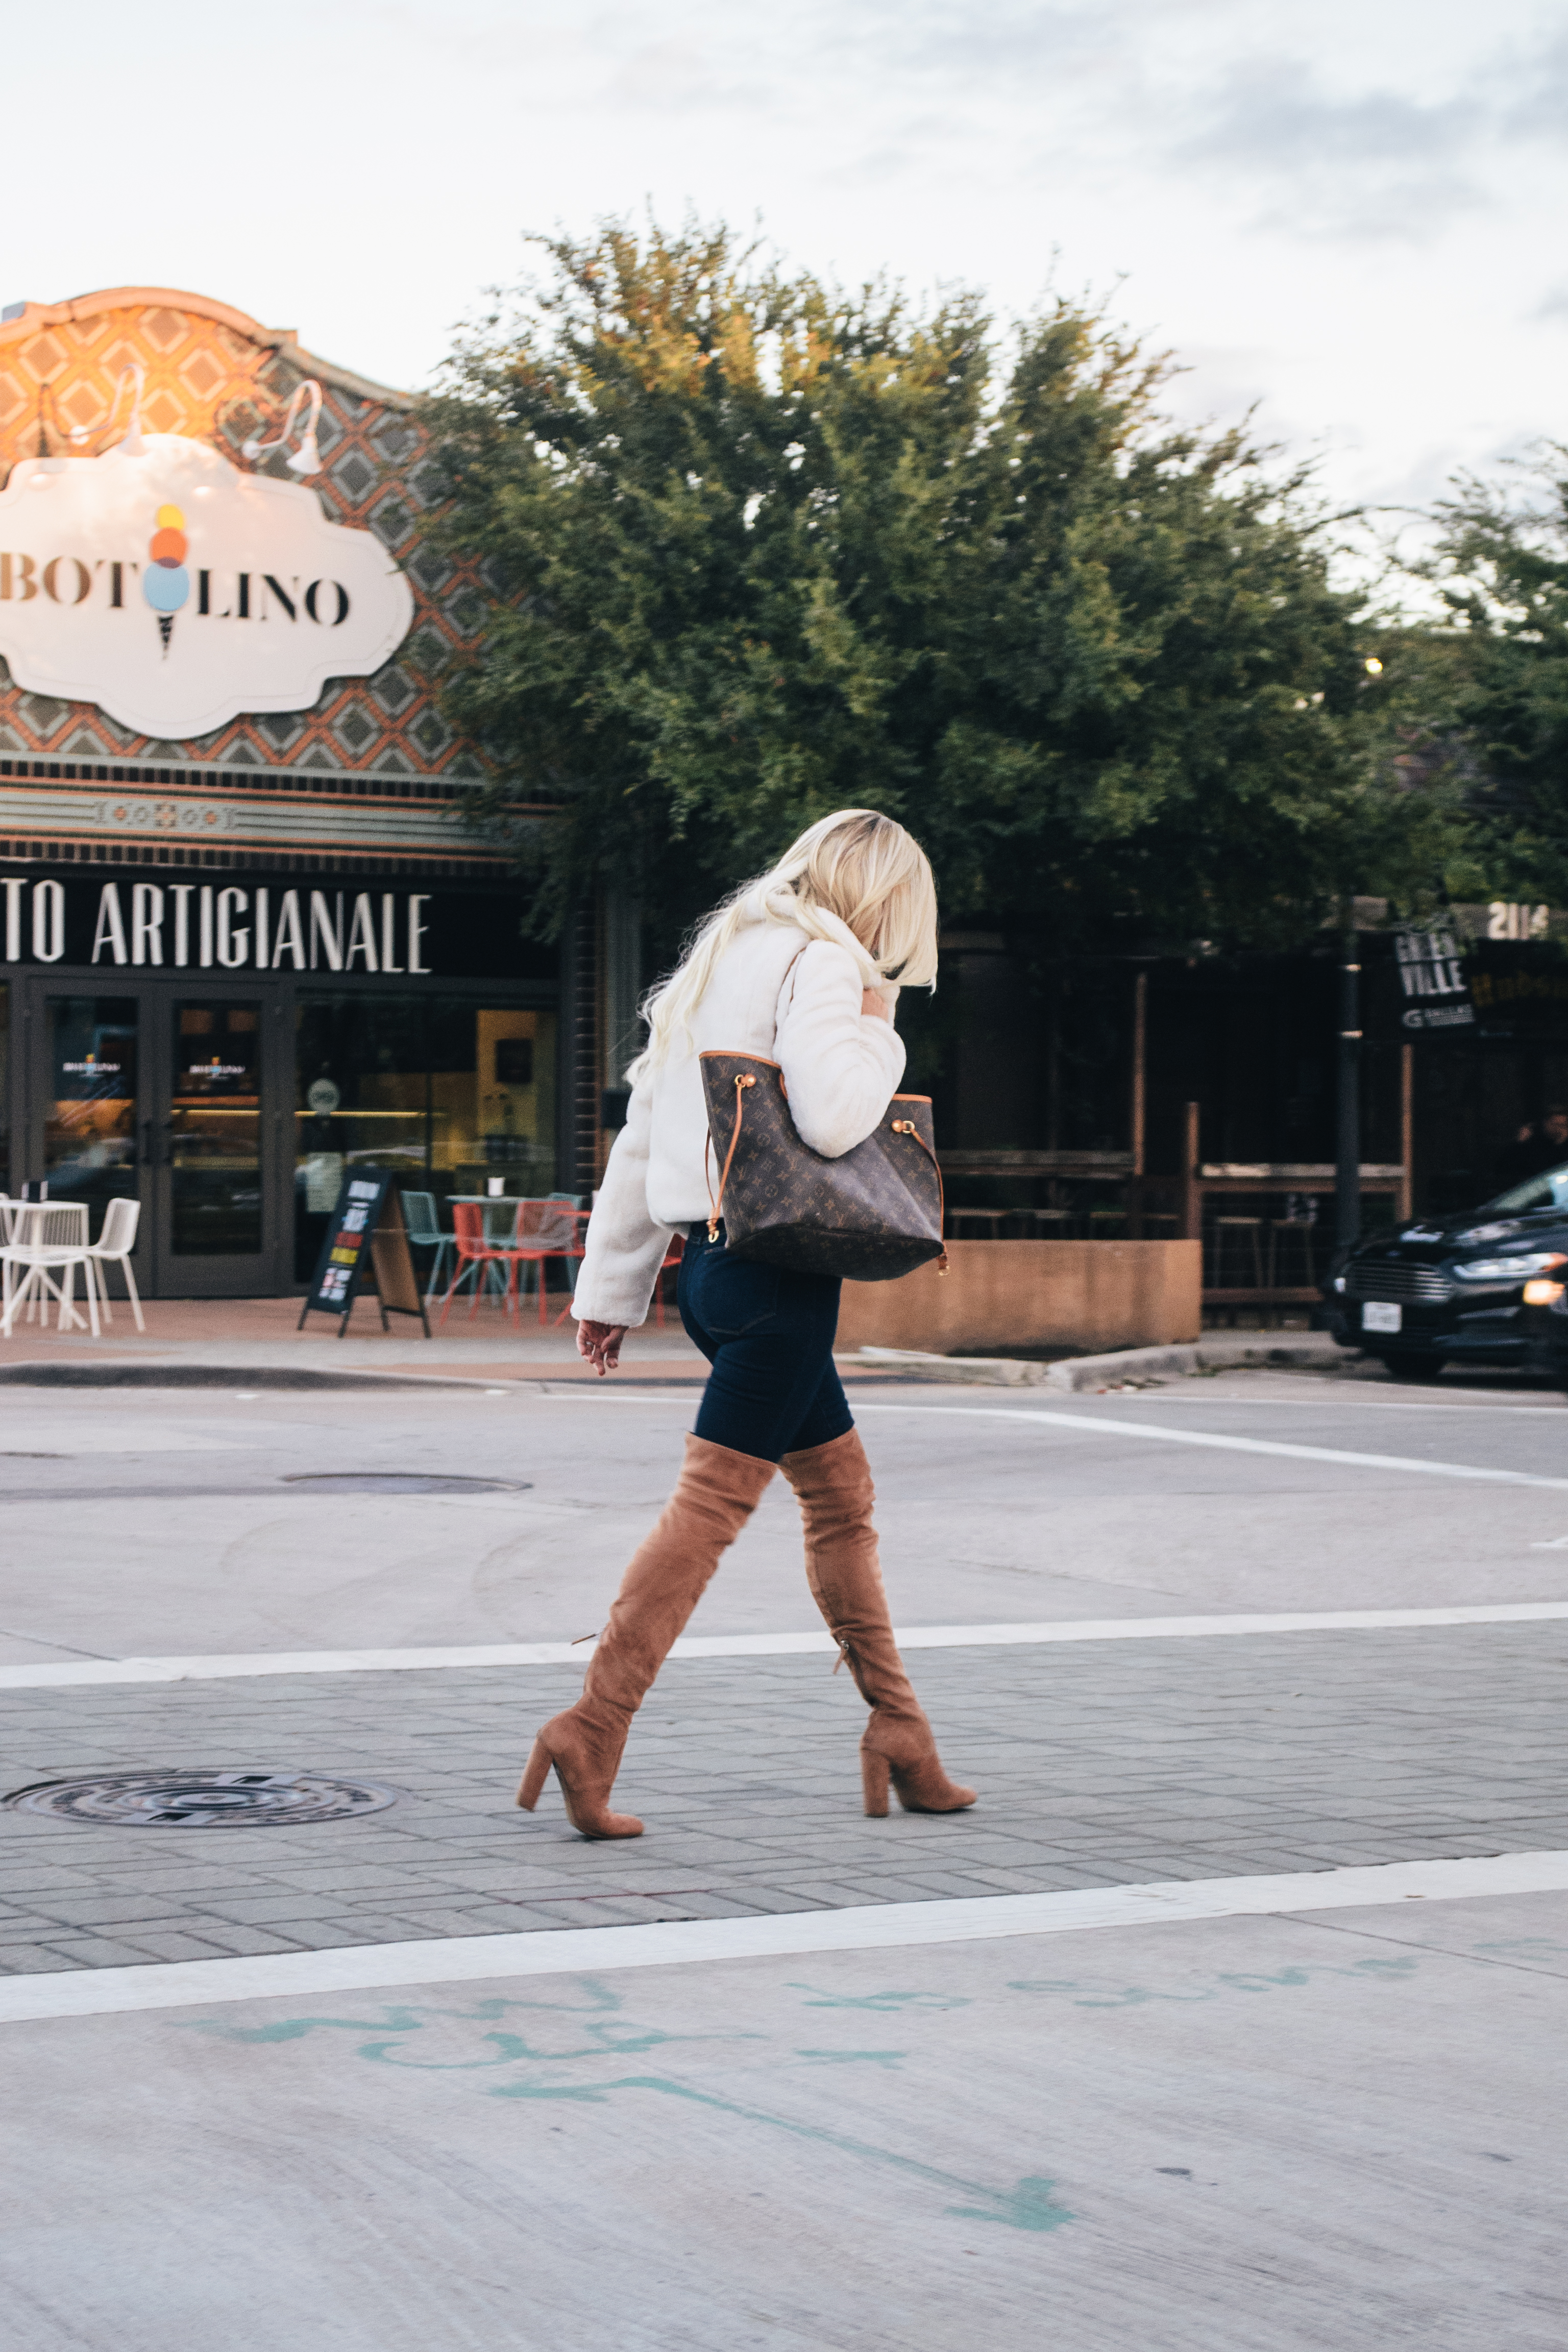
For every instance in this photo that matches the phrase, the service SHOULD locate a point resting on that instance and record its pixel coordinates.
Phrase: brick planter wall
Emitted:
(1078, 1296)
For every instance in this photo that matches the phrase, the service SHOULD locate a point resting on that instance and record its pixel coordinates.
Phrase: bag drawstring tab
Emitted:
(908, 1127)
(744, 1080)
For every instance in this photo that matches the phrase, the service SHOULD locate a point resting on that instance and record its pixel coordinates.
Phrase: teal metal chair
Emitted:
(425, 1231)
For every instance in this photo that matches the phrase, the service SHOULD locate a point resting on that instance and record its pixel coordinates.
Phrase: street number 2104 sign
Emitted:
(175, 591)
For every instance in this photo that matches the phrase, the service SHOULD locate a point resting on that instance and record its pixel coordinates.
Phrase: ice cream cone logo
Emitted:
(166, 583)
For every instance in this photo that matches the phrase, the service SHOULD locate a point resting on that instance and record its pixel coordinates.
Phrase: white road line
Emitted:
(1098, 1426)
(1200, 1396)
(467, 1960)
(236, 1666)
(1204, 1397)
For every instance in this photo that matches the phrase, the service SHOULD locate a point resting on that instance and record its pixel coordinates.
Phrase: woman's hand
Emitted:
(874, 1005)
(601, 1344)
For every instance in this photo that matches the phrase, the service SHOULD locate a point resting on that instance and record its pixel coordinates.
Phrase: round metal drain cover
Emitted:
(402, 1482)
(201, 1801)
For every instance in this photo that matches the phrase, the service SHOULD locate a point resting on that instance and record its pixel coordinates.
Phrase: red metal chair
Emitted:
(543, 1230)
(476, 1254)
(578, 1249)
(671, 1259)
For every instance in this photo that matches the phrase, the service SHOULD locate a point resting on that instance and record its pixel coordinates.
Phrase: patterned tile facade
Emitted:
(217, 376)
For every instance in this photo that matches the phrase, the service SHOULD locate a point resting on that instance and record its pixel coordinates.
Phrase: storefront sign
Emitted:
(1525, 995)
(105, 920)
(218, 927)
(175, 591)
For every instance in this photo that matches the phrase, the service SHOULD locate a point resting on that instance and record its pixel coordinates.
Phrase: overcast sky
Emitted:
(1350, 211)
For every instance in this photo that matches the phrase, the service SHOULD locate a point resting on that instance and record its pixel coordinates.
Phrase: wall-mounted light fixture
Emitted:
(307, 457)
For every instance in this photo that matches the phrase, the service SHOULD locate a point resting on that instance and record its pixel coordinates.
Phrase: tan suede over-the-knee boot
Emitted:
(714, 1497)
(833, 1483)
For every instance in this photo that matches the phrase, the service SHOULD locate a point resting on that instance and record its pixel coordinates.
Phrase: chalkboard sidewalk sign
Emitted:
(366, 1235)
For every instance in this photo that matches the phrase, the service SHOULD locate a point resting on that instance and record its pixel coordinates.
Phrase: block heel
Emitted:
(534, 1777)
(874, 1783)
(585, 1768)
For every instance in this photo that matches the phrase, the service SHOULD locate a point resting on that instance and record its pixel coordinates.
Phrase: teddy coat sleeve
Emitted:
(840, 1065)
(625, 1247)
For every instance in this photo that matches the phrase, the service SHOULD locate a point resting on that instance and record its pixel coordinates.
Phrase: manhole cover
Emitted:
(403, 1481)
(201, 1801)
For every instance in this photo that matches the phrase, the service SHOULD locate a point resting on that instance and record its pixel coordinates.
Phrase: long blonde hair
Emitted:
(856, 878)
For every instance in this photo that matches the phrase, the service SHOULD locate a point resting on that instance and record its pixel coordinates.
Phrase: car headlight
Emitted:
(1511, 1269)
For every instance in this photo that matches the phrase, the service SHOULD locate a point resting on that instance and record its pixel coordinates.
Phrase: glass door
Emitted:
(172, 1098)
(93, 1142)
(211, 1161)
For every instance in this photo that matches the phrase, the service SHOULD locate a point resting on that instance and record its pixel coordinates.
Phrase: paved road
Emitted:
(1316, 2130)
(1259, 2136)
(988, 1511)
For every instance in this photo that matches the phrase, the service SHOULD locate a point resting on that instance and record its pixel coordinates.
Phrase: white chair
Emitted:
(7, 1216)
(47, 1238)
(113, 1247)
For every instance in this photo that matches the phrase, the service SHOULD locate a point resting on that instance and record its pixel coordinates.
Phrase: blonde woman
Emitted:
(802, 965)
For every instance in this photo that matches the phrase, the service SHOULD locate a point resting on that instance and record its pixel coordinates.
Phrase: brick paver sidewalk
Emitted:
(1097, 1765)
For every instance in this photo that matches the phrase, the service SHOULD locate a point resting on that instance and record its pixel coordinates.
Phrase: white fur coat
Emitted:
(840, 1065)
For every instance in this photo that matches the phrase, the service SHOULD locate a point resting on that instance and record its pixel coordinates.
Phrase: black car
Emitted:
(1487, 1288)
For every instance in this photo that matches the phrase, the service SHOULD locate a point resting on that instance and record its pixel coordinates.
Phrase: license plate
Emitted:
(1377, 1316)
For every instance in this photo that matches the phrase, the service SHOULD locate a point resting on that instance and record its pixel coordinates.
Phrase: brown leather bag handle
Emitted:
(716, 1207)
(908, 1127)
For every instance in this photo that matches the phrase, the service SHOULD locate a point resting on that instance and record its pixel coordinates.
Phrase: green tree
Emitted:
(1501, 667)
(761, 549)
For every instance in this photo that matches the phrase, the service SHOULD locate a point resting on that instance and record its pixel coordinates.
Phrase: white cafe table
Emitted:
(47, 1238)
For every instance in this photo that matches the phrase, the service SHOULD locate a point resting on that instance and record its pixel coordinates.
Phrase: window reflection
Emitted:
(493, 1099)
(444, 1092)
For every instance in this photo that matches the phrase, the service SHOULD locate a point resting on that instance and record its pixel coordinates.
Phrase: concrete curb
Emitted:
(217, 1376)
(46, 1375)
(1074, 1373)
(1070, 1373)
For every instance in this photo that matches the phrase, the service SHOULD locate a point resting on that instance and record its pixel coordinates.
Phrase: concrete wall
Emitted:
(1080, 1295)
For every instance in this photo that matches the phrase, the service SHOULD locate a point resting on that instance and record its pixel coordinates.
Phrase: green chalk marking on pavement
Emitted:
(599, 2031)
(1031, 2206)
(1085, 1994)
(604, 2035)
(854, 2057)
(894, 2001)
(1028, 2206)
(1125, 1997)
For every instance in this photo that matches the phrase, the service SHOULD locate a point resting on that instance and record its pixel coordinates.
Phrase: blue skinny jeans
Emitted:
(768, 1334)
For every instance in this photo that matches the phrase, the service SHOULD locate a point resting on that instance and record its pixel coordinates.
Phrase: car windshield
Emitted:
(1548, 1191)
